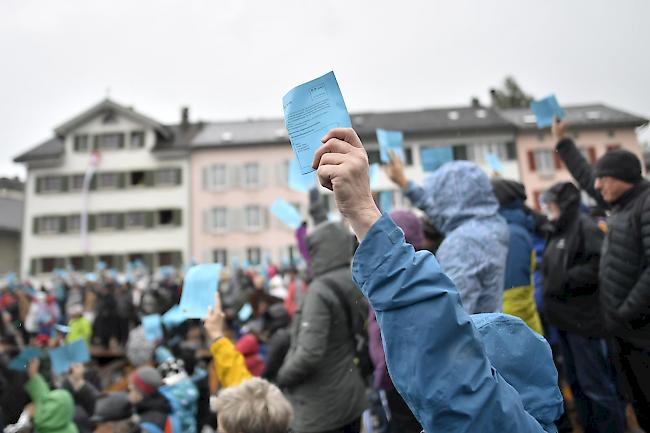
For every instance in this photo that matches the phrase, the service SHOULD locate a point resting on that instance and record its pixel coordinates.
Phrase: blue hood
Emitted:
(460, 191)
(508, 341)
(514, 214)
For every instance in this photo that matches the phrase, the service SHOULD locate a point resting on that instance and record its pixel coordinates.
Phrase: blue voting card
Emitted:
(199, 287)
(167, 271)
(152, 325)
(298, 181)
(494, 162)
(91, 276)
(390, 140)
(385, 201)
(373, 175)
(63, 357)
(62, 328)
(173, 317)
(245, 312)
(310, 111)
(434, 157)
(545, 109)
(286, 213)
(19, 363)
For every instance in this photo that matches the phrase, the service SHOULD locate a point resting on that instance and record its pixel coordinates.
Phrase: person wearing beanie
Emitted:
(570, 294)
(617, 184)
(519, 292)
(410, 225)
(248, 346)
(149, 404)
(113, 414)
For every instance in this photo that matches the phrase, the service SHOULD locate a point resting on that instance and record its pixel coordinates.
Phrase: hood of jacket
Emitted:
(276, 317)
(508, 341)
(567, 196)
(55, 412)
(248, 345)
(331, 246)
(155, 402)
(460, 191)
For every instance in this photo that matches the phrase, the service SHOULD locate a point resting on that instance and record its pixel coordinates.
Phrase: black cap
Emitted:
(507, 191)
(619, 164)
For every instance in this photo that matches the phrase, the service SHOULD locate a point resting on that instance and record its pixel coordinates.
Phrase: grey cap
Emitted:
(113, 407)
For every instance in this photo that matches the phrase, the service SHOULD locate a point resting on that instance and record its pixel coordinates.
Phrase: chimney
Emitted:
(185, 116)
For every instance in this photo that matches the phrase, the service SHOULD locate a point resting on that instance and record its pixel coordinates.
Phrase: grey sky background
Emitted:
(233, 59)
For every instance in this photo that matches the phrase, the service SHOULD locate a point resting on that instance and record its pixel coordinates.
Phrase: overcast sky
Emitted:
(230, 59)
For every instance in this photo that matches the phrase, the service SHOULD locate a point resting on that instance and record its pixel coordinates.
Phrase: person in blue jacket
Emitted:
(458, 373)
(458, 199)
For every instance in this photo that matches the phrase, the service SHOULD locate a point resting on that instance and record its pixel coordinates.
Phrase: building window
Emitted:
(52, 184)
(460, 152)
(293, 254)
(511, 151)
(166, 177)
(74, 223)
(77, 182)
(107, 221)
(165, 217)
(165, 259)
(479, 152)
(49, 225)
(544, 161)
(135, 220)
(216, 177)
(77, 263)
(251, 175)
(109, 141)
(220, 256)
(253, 218)
(219, 219)
(48, 264)
(81, 143)
(137, 178)
(254, 255)
(108, 180)
(137, 140)
(109, 260)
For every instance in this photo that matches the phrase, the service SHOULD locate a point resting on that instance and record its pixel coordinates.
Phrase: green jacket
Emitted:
(54, 409)
(79, 328)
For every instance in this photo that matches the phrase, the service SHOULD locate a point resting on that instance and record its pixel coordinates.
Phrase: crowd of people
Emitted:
(468, 313)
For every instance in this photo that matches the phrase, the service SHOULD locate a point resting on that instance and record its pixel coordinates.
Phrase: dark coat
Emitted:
(570, 270)
(153, 409)
(625, 262)
(319, 374)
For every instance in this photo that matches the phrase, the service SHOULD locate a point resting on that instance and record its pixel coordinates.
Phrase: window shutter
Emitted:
(280, 178)
(531, 160)
(63, 224)
(88, 263)
(262, 175)
(64, 183)
(557, 160)
(149, 178)
(177, 217)
(178, 176)
(93, 182)
(120, 221)
(121, 141)
(264, 217)
(96, 139)
(39, 184)
(121, 180)
(59, 263)
(36, 225)
(147, 259)
(235, 216)
(91, 223)
(33, 267)
(118, 262)
(148, 219)
(234, 174)
(177, 259)
(206, 220)
(592, 155)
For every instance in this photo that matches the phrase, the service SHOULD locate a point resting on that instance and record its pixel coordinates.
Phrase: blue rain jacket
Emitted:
(459, 201)
(518, 264)
(458, 373)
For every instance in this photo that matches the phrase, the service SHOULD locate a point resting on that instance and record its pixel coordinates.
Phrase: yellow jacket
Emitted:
(229, 364)
(79, 328)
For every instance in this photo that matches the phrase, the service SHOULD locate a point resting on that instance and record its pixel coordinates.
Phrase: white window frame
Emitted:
(252, 175)
(249, 217)
(544, 161)
(219, 219)
(159, 177)
(218, 254)
(54, 225)
(101, 143)
(218, 177)
(137, 133)
(250, 252)
(58, 180)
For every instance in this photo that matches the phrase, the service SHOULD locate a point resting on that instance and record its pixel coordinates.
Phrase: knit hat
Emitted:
(146, 379)
(619, 164)
(410, 225)
(138, 349)
(508, 191)
(113, 407)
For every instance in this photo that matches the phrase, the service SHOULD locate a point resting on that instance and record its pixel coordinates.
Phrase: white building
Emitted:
(138, 204)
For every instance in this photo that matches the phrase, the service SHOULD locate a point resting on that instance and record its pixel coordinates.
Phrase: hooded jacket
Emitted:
(570, 267)
(485, 373)
(248, 346)
(54, 409)
(459, 201)
(276, 322)
(322, 381)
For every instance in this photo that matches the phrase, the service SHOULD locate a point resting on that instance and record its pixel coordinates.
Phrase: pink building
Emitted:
(596, 129)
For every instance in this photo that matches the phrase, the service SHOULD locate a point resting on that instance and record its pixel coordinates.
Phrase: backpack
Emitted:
(359, 332)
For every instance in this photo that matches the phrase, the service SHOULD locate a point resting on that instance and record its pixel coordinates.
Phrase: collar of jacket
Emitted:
(631, 194)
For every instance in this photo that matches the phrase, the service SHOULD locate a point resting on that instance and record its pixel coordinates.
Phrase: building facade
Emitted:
(138, 199)
(11, 224)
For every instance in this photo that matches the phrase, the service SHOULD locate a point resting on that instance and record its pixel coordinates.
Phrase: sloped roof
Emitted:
(52, 148)
(596, 115)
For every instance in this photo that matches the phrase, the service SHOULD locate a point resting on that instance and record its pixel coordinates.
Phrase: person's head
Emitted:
(112, 413)
(508, 192)
(143, 383)
(139, 350)
(562, 200)
(331, 246)
(255, 406)
(75, 311)
(616, 172)
(410, 225)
